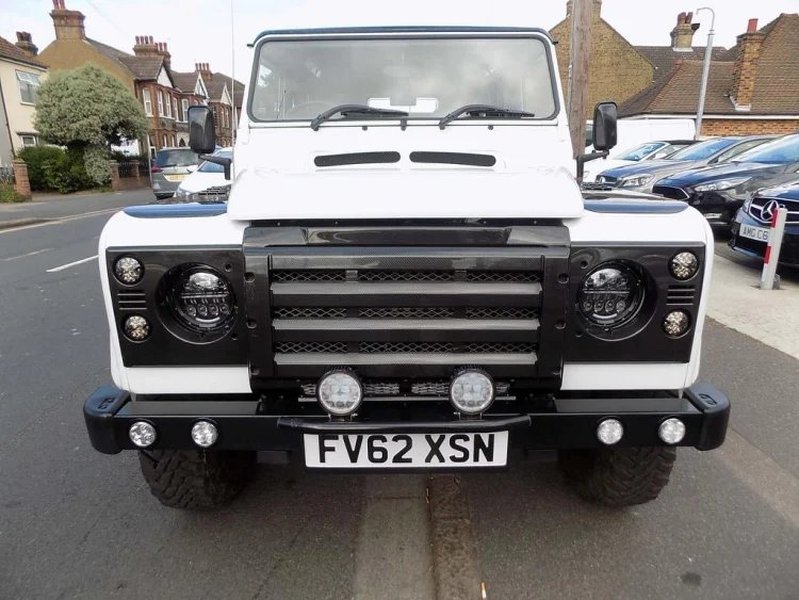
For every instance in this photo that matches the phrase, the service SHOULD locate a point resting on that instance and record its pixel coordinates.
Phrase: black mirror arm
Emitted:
(584, 158)
(219, 160)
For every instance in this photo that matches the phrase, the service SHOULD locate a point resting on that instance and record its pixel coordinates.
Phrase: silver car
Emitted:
(169, 168)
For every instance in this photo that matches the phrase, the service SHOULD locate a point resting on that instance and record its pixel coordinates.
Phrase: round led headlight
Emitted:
(128, 270)
(340, 393)
(684, 265)
(676, 323)
(471, 391)
(201, 299)
(142, 434)
(137, 328)
(610, 295)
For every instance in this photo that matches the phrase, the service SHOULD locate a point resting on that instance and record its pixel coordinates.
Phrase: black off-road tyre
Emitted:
(618, 476)
(196, 479)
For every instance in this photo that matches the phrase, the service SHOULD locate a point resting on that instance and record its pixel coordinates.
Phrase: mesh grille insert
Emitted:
(306, 347)
(502, 276)
(499, 348)
(409, 312)
(414, 276)
(308, 276)
(499, 312)
(308, 312)
(404, 347)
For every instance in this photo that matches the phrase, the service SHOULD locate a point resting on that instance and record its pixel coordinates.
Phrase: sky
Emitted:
(209, 30)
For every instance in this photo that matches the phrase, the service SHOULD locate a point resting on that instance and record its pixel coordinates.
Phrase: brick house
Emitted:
(224, 97)
(21, 72)
(752, 88)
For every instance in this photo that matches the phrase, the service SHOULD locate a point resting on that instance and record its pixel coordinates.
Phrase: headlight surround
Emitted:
(635, 180)
(721, 184)
(200, 299)
(611, 295)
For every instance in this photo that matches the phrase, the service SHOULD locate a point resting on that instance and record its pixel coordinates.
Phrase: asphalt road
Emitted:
(77, 524)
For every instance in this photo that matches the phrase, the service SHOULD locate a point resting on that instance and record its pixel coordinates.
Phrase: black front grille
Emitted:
(425, 389)
(405, 316)
(674, 193)
(680, 295)
(131, 300)
(762, 209)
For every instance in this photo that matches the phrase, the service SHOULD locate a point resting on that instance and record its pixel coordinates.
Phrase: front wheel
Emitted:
(618, 476)
(196, 479)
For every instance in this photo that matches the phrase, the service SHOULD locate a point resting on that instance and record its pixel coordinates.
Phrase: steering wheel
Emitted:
(322, 105)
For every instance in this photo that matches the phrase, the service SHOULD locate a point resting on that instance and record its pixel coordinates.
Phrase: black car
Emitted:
(750, 230)
(719, 191)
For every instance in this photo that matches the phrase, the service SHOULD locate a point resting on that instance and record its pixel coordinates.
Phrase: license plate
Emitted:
(406, 450)
(754, 233)
(174, 178)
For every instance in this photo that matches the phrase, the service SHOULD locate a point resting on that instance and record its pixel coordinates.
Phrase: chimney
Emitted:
(145, 46)
(25, 43)
(68, 24)
(682, 36)
(745, 70)
(205, 70)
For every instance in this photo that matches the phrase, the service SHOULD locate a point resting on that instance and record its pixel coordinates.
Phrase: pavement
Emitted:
(78, 524)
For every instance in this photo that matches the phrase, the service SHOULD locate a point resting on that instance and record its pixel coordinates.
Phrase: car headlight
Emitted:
(182, 194)
(721, 184)
(611, 295)
(200, 298)
(635, 180)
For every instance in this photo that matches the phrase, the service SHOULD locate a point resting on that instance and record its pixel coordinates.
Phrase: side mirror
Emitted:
(202, 136)
(604, 134)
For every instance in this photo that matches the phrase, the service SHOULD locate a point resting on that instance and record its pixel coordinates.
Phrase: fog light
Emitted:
(676, 323)
(340, 393)
(609, 431)
(142, 434)
(137, 328)
(672, 431)
(684, 265)
(128, 270)
(471, 391)
(204, 434)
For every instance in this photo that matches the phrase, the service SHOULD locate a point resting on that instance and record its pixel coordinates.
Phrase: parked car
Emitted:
(169, 168)
(642, 176)
(718, 191)
(648, 151)
(207, 184)
(750, 230)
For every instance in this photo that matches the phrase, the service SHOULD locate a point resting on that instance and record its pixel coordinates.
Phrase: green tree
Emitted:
(87, 107)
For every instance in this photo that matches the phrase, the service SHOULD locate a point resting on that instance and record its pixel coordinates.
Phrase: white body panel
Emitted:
(199, 181)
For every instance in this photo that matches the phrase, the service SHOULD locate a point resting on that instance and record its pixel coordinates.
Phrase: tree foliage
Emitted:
(87, 107)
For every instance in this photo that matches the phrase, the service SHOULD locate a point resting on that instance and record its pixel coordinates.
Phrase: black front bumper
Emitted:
(563, 423)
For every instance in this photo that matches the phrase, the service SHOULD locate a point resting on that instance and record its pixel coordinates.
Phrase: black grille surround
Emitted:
(404, 312)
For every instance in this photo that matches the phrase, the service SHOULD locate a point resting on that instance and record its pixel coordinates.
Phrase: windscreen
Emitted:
(641, 152)
(209, 167)
(784, 150)
(425, 77)
(176, 158)
(704, 149)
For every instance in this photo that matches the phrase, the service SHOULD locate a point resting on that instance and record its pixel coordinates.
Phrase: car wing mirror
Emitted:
(202, 135)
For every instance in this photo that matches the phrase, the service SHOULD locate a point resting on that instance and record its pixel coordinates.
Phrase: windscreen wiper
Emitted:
(354, 109)
(483, 110)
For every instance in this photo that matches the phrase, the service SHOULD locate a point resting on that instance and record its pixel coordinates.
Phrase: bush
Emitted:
(56, 169)
(98, 167)
(9, 194)
(36, 157)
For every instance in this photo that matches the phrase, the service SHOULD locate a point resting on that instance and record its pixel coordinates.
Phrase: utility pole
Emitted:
(580, 49)
(700, 110)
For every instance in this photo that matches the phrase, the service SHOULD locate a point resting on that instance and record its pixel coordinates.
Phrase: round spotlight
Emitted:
(672, 431)
(137, 328)
(204, 434)
(609, 431)
(471, 391)
(684, 265)
(676, 323)
(340, 393)
(142, 434)
(128, 270)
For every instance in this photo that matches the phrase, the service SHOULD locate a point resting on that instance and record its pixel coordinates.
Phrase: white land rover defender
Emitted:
(406, 276)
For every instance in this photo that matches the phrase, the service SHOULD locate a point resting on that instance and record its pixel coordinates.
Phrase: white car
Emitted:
(207, 184)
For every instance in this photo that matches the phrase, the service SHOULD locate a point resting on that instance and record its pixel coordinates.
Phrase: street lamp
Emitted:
(705, 70)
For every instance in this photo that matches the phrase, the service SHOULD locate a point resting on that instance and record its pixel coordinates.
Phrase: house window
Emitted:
(28, 140)
(175, 108)
(185, 105)
(28, 86)
(168, 107)
(160, 103)
(148, 103)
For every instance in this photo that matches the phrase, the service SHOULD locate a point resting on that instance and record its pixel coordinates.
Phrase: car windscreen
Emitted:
(209, 167)
(425, 77)
(703, 150)
(640, 152)
(781, 151)
(176, 158)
